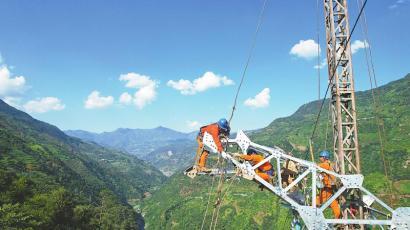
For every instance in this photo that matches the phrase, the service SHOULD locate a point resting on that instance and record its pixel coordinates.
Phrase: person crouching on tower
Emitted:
(326, 192)
(265, 171)
(218, 131)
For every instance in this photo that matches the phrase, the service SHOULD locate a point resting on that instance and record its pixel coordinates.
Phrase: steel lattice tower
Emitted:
(343, 107)
(343, 104)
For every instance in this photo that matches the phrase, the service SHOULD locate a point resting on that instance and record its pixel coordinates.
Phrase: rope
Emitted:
(327, 125)
(335, 69)
(219, 191)
(209, 198)
(221, 180)
(223, 197)
(261, 14)
(318, 47)
(376, 102)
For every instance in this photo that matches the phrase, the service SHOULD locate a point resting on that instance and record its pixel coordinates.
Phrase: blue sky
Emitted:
(63, 61)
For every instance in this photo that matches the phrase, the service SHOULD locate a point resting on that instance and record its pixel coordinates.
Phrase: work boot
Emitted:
(261, 187)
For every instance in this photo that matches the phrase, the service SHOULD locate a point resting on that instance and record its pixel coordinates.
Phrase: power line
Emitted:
(335, 68)
(261, 14)
(376, 99)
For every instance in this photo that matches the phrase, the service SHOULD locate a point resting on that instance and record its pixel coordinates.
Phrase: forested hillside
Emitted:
(49, 180)
(393, 108)
(181, 202)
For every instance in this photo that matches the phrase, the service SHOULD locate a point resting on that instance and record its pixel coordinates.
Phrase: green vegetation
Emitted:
(51, 181)
(293, 132)
(181, 202)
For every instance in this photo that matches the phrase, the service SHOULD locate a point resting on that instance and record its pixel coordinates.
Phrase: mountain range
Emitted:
(166, 149)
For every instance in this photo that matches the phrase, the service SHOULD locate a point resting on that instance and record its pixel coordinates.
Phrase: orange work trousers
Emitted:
(323, 196)
(264, 176)
(201, 153)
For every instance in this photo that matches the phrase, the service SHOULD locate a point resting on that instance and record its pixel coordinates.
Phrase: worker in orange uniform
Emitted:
(265, 171)
(217, 131)
(326, 192)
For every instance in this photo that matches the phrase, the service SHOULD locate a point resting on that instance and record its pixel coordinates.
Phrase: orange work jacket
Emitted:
(327, 179)
(255, 159)
(213, 130)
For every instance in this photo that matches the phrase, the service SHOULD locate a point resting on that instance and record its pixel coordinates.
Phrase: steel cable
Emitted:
(261, 14)
(335, 69)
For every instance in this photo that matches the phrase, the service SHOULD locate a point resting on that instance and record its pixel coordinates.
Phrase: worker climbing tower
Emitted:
(339, 59)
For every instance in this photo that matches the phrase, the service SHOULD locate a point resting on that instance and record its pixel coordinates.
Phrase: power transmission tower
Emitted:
(343, 105)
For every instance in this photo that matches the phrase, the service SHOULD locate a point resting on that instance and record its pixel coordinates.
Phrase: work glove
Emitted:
(236, 155)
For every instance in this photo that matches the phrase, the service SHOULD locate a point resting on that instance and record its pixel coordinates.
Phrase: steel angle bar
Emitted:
(278, 170)
(303, 175)
(314, 175)
(376, 199)
(263, 162)
(279, 192)
(332, 198)
(358, 221)
(283, 155)
(217, 172)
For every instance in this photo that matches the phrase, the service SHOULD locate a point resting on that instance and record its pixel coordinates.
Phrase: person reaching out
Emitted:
(265, 171)
(217, 130)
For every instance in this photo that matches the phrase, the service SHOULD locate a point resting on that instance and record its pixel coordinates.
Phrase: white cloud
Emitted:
(322, 65)
(146, 88)
(397, 4)
(357, 45)
(13, 101)
(125, 98)
(144, 96)
(42, 105)
(193, 124)
(260, 100)
(207, 81)
(10, 86)
(306, 49)
(137, 81)
(95, 101)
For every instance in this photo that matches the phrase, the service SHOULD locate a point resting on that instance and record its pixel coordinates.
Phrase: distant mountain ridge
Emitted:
(138, 142)
(160, 133)
(166, 149)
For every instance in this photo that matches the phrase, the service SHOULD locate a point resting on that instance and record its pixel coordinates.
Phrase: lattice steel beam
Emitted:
(312, 215)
